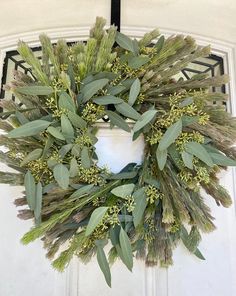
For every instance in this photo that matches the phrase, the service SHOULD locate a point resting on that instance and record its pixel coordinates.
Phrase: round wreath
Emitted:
(51, 131)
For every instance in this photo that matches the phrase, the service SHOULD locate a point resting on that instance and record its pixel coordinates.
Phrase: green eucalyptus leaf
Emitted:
(221, 159)
(188, 120)
(73, 168)
(76, 150)
(30, 190)
(115, 90)
(118, 120)
(144, 120)
(29, 129)
(128, 111)
(123, 190)
(134, 91)
(95, 219)
(82, 190)
(140, 201)
(103, 264)
(55, 133)
(170, 135)
(161, 156)
(35, 90)
(77, 121)
(106, 100)
(21, 117)
(186, 102)
(137, 62)
(66, 102)
(90, 89)
(85, 159)
(38, 202)
(33, 155)
(200, 152)
(61, 175)
(126, 249)
(198, 254)
(125, 175)
(187, 159)
(64, 150)
(67, 128)
(125, 42)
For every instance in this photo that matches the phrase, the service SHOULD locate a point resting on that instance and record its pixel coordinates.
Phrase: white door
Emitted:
(25, 271)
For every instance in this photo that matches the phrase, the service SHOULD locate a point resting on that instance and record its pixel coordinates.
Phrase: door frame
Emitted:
(156, 282)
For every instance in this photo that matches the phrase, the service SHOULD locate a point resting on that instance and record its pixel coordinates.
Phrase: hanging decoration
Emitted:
(144, 210)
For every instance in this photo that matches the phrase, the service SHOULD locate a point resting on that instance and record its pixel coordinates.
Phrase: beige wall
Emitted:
(210, 18)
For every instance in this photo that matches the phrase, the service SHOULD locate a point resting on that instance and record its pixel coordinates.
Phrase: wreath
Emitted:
(144, 210)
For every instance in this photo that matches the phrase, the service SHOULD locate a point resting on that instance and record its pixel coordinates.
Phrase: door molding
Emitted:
(156, 283)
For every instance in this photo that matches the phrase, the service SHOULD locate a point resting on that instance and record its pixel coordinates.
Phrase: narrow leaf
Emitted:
(128, 111)
(125, 42)
(90, 89)
(126, 249)
(123, 190)
(29, 129)
(221, 159)
(161, 156)
(67, 128)
(35, 90)
(85, 159)
(61, 175)
(30, 189)
(118, 121)
(38, 202)
(137, 62)
(103, 264)
(170, 135)
(33, 155)
(200, 152)
(55, 133)
(77, 121)
(106, 100)
(140, 202)
(73, 168)
(134, 91)
(95, 219)
(144, 120)
(187, 159)
(66, 102)
(82, 190)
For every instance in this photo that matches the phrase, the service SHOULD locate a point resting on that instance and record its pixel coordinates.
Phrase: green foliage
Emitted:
(51, 138)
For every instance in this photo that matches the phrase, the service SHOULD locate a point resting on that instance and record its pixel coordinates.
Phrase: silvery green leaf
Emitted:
(76, 150)
(115, 90)
(125, 42)
(77, 121)
(186, 102)
(187, 159)
(170, 135)
(35, 90)
(30, 189)
(64, 150)
(66, 102)
(95, 219)
(118, 120)
(200, 152)
(134, 91)
(35, 154)
(21, 117)
(125, 175)
(161, 156)
(153, 182)
(55, 133)
(67, 128)
(106, 100)
(123, 190)
(103, 264)
(198, 254)
(29, 129)
(73, 168)
(128, 111)
(82, 190)
(159, 44)
(38, 202)
(140, 202)
(137, 62)
(126, 249)
(188, 120)
(221, 159)
(90, 89)
(61, 175)
(85, 159)
(144, 120)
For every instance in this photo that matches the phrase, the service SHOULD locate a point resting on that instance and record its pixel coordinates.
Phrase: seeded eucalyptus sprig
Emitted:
(51, 133)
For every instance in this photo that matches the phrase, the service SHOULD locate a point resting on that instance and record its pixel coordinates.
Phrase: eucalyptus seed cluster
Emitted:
(92, 112)
(153, 194)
